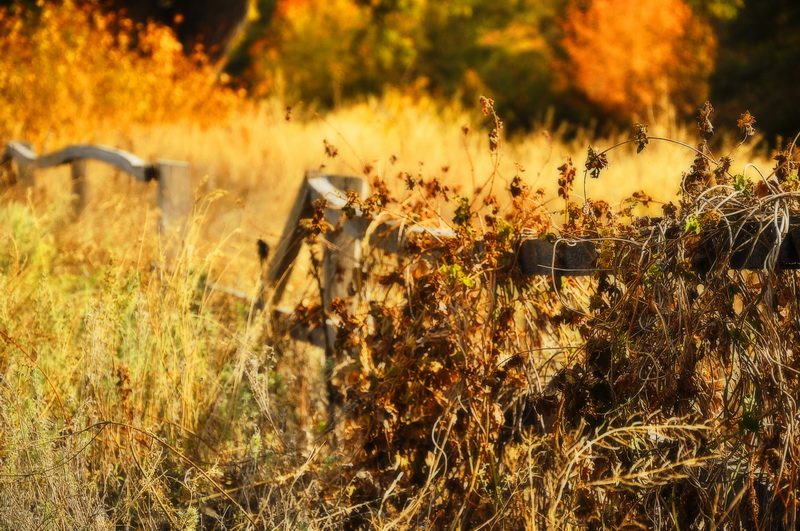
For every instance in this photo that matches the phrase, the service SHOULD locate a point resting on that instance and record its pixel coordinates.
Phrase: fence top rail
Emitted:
(122, 160)
(750, 247)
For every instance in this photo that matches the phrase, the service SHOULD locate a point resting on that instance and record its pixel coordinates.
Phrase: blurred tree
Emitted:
(9, 3)
(214, 24)
(520, 50)
(581, 57)
(346, 48)
(239, 59)
(502, 49)
(716, 9)
(312, 51)
(617, 57)
(759, 66)
(631, 56)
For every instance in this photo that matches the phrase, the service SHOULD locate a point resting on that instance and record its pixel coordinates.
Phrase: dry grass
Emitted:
(257, 159)
(135, 394)
(176, 406)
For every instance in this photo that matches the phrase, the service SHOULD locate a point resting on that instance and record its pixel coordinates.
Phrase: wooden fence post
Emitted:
(24, 156)
(25, 174)
(175, 197)
(282, 261)
(340, 279)
(79, 185)
(343, 255)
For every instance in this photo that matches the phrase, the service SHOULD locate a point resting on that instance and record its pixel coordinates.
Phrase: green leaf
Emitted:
(693, 224)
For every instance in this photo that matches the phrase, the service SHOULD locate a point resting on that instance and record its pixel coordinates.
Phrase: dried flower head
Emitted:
(487, 105)
(596, 161)
(330, 149)
(494, 139)
(640, 137)
(745, 123)
(785, 165)
(566, 179)
(704, 125)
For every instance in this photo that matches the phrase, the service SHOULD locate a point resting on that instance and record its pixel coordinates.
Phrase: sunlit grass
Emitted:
(128, 380)
(254, 160)
(258, 158)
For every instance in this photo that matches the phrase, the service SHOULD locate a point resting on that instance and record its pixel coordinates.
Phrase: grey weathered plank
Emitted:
(343, 255)
(314, 335)
(282, 261)
(333, 189)
(118, 158)
(536, 257)
(122, 160)
(756, 240)
(336, 194)
(315, 186)
(563, 258)
(175, 198)
(391, 236)
(26, 157)
(340, 266)
(20, 152)
(322, 187)
(750, 244)
(79, 185)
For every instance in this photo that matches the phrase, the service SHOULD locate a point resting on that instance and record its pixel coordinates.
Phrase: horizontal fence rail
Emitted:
(745, 244)
(175, 196)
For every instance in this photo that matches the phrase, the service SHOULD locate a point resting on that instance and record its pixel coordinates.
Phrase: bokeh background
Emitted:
(595, 62)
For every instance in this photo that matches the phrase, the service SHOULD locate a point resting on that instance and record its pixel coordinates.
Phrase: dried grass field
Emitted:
(137, 394)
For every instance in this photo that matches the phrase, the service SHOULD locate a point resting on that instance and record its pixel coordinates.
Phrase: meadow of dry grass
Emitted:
(135, 395)
(254, 160)
(132, 386)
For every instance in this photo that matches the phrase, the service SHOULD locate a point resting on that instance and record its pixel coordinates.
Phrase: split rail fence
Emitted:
(752, 245)
(175, 195)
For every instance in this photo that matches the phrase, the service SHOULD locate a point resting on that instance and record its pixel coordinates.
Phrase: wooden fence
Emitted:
(751, 246)
(751, 243)
(175, 195)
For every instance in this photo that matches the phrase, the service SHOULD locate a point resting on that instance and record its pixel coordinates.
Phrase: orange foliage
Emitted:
(285, 8)
(630, 56)
(67, 70)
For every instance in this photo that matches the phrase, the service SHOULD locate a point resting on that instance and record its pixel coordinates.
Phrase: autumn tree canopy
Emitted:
(581, 59)
(211, 23)
(616, 58)
(629, 56)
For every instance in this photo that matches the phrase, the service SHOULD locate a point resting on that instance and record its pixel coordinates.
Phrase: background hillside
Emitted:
(607, 61)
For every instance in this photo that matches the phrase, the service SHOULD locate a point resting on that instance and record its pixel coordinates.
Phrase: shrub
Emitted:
(659, 394)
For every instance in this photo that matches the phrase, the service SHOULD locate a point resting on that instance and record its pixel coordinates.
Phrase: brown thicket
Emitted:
(660, 394)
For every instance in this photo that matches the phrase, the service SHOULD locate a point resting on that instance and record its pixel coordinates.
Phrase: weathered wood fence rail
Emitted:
(755, 244)
(752, 245)
(175, 197)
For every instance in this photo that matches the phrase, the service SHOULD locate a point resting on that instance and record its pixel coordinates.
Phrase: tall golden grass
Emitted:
(134, 394)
